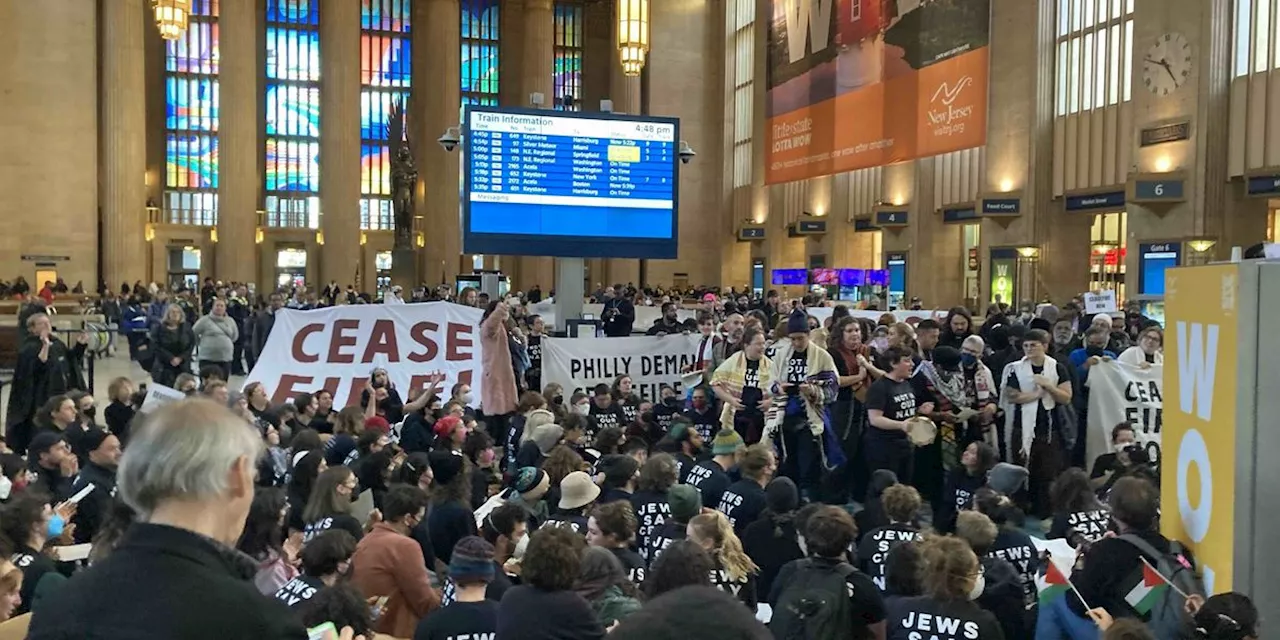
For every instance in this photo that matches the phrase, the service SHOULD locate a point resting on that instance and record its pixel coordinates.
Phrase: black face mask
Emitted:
(671, 402)
(557, 400)
(91, 412)
(1093, 351)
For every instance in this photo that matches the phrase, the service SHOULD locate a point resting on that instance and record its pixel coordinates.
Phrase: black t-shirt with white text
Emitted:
(663, 413)
(1016, 547)
(710, 479)
(1091, 524)
(534, 349)
(612, 416)
(897, 400)
(924, 618)
(460, 621)
(632, 564)
(707, 422)
(684, 464)
(873, 551)
(573, 522)
(742, 503)
(343, 521)
(797, 371)
(662, 537)
(751, 392)
(652, 510)
(299, 590)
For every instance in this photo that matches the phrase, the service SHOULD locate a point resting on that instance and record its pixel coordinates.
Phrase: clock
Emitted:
(1167, 64)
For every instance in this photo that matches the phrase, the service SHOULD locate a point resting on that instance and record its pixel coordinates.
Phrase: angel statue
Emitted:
(404, 175)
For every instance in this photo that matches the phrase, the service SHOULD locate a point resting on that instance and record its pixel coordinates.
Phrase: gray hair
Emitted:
(977, 342)
(184, 451)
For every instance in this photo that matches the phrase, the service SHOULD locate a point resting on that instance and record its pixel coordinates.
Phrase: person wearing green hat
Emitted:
(685, 504)
(683, 442)
(711, 477)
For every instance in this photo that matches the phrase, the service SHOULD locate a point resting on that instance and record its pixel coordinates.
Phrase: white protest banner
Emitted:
(645, 316)
(159, 395)
(337, 348)
(1125, 393)
(649, 360)
(1103, 301)
(912, 318)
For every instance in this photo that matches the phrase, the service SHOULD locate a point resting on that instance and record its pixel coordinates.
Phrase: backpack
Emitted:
(1168, 617)
(814, 604)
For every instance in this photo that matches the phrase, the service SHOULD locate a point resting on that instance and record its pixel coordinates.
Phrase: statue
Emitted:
(404, 176)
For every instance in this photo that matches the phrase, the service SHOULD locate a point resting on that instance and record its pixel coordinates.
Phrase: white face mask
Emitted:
(466, 399)
(6, 487)
(979, 586)
(582, 409)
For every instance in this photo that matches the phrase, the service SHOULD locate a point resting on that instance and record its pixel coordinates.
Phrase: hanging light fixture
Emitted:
(633, 34)
(171, 17)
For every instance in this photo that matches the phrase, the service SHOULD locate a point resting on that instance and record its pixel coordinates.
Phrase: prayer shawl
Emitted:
(953, 389)
(821, 374)
(730, 376)
(1021, 370)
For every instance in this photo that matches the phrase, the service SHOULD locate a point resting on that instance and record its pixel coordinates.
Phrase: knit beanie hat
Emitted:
(1007, 478)
(377, 423)
(445, 426)
(472, 560)
(797, 322)
(726, 443)
(445, 466)
(685, 502)
(527, 479)
(781, 496)
(547, 437)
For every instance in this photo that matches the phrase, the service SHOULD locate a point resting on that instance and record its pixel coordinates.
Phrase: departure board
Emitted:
(569, 184)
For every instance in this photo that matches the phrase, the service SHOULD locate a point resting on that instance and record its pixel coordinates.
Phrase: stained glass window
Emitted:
(384, 78)
(480, 52)
(293, 113)
(191, 120)
(568, 51)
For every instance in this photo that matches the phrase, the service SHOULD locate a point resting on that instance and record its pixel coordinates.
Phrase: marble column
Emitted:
(239, 152)
(124, 133)
(340, 142)
(624, 90)
(435, 106)
(538, 67)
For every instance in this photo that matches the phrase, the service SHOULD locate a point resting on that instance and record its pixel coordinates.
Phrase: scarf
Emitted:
(821, 374)
(731, 375)
(850, 359)
(1022, 371)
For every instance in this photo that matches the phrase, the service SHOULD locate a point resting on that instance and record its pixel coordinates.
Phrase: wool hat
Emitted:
(1007, 478)
(445, 466)
(781, 496)
(685, 502)
(92, 439)
(726, 443)
(472, 560)
(527, 479)
(617, 469)
(577, 491)
(547, 437)
(680, 430)
(797, 322)
(1041, 324)
(445, 425)
(377, 423)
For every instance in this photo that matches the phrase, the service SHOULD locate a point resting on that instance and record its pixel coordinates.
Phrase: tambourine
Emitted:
(921, 431)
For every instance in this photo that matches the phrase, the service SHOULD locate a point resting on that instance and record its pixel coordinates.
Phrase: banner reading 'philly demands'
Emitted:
(650, 361)
(863, 83)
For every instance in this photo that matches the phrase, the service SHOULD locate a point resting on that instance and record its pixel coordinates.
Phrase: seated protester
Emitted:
(702, 414)
(330, 505)
(263, 540)
(104, 453)
(612, 526)
(506, 528)
(273, 468)
(618, 478)
(545, 607)
(902, 507)
(734, 572)
(451, 518)
(534, 452)
(1012, 543)
(772, 541)
(562, 462)
(418, 429)
(389, 563)
(625, 397)
(478, 449)
(685, 504)
(373, 440)
(1001, 585)
(119, 413)
(346, 428)
(744, 500)
(609, 441)
(1227, 616)
(471, 613)
(951, 575)
(637, 448)
(304, 411)
(692, 612)
(343, 605)
(669, 406)
(711, 477)
(325, 414)
(450, 433)
(1133, 462)
(577, 492)
(657, 476)
(603, 583)
(374, 473)
(575, 436)
(828, 533)
(684, 443)
(1107, 464)
(904, 572)
(54, 467)
(10, 589)
(30, 523)
(683, 563)
(307, 466)
(872, 516)
(325, 561)
(1077, 515)
(529, 487)
(963, 481)
(604, 411)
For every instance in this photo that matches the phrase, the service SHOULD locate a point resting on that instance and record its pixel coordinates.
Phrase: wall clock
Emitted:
(1167, 64)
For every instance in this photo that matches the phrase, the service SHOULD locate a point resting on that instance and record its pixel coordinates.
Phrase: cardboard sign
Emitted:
(1103, 301)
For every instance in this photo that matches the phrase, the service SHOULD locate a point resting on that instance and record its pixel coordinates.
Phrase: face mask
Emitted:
(671, 402)
(466, 399)
(968, 359)
(1093, 351)
(6, 487)
(979, 586)
(557, 400)
(582, 409)
(880, 344)
(55, 526)
(91, 412)
(699, 403)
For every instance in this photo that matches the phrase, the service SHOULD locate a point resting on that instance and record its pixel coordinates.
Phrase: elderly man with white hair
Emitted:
(189, 475)
(986, 392)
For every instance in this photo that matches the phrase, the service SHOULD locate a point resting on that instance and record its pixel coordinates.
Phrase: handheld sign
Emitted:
(72, 552)
(159, 395)
(83, 493)
(1103, 301)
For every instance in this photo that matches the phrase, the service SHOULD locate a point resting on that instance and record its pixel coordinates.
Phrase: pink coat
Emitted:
(498, 395)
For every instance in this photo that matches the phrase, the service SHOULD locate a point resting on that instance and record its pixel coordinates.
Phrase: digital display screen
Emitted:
(790, 277)
(825, 276)
(573, 185)
(1156, 259)
(878, 277)
(853, 277)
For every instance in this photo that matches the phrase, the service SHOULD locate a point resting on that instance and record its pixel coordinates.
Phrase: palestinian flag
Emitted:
(1149, 590)
(1052, 583)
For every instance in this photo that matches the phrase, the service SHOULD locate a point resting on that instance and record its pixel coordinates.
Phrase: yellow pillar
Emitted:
(538, 68)
(340, 141)
(124, 142)
(436, 103)
(239, 153)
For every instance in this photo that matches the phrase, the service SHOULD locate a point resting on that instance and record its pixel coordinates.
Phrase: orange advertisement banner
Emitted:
(862, 83)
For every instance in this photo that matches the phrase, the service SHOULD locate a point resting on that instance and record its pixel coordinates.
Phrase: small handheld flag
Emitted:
(1149, 590)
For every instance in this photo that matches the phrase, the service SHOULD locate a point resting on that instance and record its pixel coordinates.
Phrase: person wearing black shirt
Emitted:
(471, 614)
(657, 476)
(119, 413)
(772, 541)
(619, 314)
(330, 504)
(46, 367)
(744, 500)
(325, 560)
(740, 383)
(711, 477)
(669, 407)
(1012, 544)
(685, 504)
(450, 518)
(947, 608)
(891, 401)
(702, 413)
(619, 478)
(103, 457)
(613, 526)
(964, 481)
(1038, 431)
(604, 412)
(325, 415)
(735, 572)
(668, 324)
(684, 443)
(537, 330)
(625, 397)
(54, 466)
(1107, 464)
(545, 607)
(1077, 515)
(901, 504)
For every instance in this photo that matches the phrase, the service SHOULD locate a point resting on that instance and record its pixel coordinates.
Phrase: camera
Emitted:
(686, 152)
(450, 139)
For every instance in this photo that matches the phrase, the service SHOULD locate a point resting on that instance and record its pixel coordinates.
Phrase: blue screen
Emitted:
(574, 185)
(898, 276)
(790, 277)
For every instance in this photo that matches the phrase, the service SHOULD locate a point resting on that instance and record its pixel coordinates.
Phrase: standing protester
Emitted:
(1038, 416)
(740, 382)
(216, 335)
(241, 311)
(45, 368)
(172, 342)
(852, 358)
(500, 393)
(892, 401)
(389, 563)
(260, 328)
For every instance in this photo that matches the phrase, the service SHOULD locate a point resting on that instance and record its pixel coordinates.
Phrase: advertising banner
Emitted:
(862, 83)
(649, 361)
(1122, 393)
(337, 348)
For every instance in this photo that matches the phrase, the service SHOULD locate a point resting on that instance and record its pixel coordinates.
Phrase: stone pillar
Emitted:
(624, 91)
(124, 161)
(435, 107)
(239, 151)
(538, 69)
(340, 144)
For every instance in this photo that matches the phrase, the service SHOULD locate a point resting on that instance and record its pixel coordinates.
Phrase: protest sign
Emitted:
(1103, 301)
(1125, 393)
(159, 395)
(337, 348)
(650, 361)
